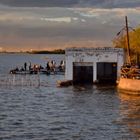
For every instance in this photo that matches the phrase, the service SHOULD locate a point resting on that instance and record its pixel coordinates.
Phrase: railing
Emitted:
(20, 80)
(131, 73)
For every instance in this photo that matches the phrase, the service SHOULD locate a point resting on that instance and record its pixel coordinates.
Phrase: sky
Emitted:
(57, 24)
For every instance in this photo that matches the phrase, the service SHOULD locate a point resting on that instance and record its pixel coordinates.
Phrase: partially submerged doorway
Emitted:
(107, 72)
(82, 73)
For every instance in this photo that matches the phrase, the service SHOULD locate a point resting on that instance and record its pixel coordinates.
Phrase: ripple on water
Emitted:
(73, 113)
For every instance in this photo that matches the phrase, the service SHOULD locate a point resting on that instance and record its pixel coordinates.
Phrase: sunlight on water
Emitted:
(130, 112)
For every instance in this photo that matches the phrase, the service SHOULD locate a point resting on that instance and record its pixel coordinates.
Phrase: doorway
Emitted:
(107, 72)
(83, 73)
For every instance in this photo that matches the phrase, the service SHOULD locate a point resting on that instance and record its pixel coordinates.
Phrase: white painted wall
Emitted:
(93, 55)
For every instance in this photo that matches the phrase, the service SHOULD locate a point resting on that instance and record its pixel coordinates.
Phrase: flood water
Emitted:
(47, 112)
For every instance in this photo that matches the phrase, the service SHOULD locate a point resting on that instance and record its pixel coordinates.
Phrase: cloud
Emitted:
(72, 3)
(59, 19)
(96, 12)
(110, 16)
(30, 27)
(40, 3)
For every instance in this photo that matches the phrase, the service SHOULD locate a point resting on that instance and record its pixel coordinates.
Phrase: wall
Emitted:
(129, 86)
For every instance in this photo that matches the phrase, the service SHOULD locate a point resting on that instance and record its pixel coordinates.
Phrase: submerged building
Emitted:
(92, 65)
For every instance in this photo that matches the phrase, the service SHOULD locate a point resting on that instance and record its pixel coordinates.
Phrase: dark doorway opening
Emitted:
(107, 72)
(83, 73)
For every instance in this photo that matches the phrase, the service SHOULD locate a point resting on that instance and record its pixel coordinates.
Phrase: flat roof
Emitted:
(112, 49)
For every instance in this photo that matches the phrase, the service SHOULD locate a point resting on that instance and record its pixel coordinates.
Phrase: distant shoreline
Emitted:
(59, 51)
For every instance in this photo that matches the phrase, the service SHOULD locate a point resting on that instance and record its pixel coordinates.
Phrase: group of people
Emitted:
(50, 66)
(24, 67)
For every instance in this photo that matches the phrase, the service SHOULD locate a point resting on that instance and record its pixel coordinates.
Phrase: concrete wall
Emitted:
(129, 86)
(93, 55)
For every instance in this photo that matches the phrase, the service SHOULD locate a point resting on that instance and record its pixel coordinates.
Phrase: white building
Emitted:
(93, 64)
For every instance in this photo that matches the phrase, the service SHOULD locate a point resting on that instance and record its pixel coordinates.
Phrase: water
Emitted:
(29, 111)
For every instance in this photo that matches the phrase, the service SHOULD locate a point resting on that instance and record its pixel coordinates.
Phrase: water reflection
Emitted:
(130, 112)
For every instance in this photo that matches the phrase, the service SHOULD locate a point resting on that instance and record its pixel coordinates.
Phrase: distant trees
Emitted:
(58, 51)
(134, 40)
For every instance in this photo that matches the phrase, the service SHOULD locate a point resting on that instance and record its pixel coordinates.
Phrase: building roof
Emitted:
(110, 49)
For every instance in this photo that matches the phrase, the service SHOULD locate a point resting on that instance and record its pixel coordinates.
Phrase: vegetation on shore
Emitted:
(134, 40)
